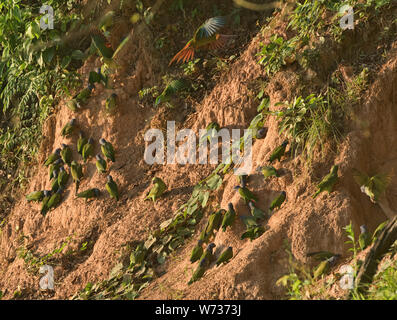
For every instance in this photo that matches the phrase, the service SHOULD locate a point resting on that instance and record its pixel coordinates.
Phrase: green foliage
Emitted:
(273, 55)
(32, 75)
(308, 121)
(190, 67)
(352, 239)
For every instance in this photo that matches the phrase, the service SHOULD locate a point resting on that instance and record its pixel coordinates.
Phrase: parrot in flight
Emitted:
(373, 186)
(328, 182)
(206, 36)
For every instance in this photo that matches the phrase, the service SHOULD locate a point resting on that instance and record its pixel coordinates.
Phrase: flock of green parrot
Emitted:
(205, 37)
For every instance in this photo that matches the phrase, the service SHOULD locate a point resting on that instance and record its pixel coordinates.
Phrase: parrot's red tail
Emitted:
(186, 54)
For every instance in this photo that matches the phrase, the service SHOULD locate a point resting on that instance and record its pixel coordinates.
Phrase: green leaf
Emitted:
(78, 55)
(48, 54)
(65, 61)
(149, 242)
(214, 182)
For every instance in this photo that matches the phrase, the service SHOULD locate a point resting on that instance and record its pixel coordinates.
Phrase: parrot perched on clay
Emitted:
(198, 273)
(44, 207)
(55, 199)
(55, 166)
(35, 196)
(229, 217)
(89, 194)
(205, 37)
(268, 171)
(82, 97)
(76, 170)
(207, 255)
(246, 194)
(197, 252)
(214, 221)
(63, 178)
(256, 212)
(81, 142)
(112, 188)
(157, 190)
(68, 129)
(100, 164)
(54, 183)
(328, 182)
(52, 157)
(107, 149)
(66, 154)
(321, 255)
(225, 256)
(279, 152)
(170, 90)
(88, 150)
(278, 201)
(111, 103)
(324, 266)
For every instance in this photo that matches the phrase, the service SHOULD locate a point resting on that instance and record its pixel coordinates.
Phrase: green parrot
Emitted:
(102, 77)
(73, 105)
(55, 199)
(324, 266)
(76, 170)
(246, 194)
(278, 152)
(111, 188)
(206, 36)
(242, 179)
(373, 186)
(83, 96)
(364, 240)
(322, 255)
(66, 154)
(35, 196)
(328, 181)
(68, 128)
(63, 178)
(253, 233)
(88, 150)
(89, 194)
(81, 142)
(249, 221)
(44, 206)
(205, 237)
(256, 212)
(277, 202)
(107, 149)
(229, 217)
(207, 257)
(225, 256)
(100, 164)
(210, 132)
(106, 21)
(214, 221)
(157, 190)
(55, 167)
(54, 183)
(110, 103)
(197, 252)
(170, 90)
(268, 171)
(198, 273)
(52, 157)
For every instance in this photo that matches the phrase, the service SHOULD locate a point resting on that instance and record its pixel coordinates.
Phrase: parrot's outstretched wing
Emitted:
(360, 177)
(381, 182)
(210, 27)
